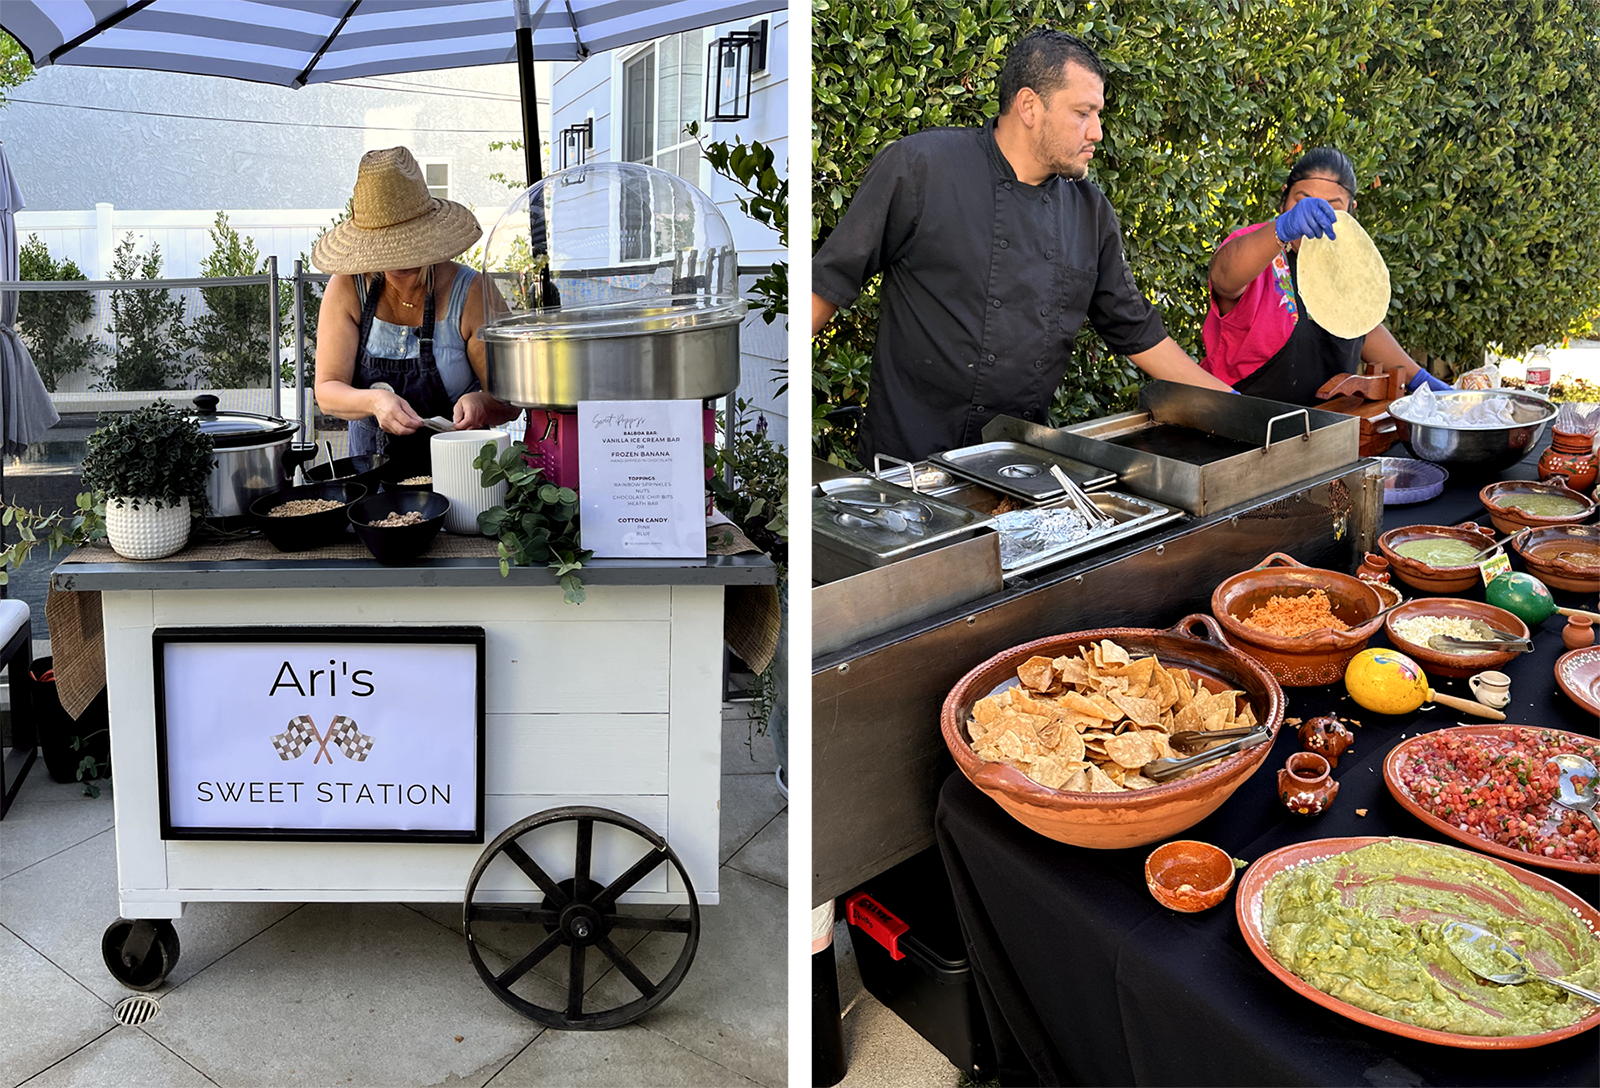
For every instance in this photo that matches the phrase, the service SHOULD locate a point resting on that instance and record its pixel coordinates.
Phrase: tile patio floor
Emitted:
(340, 994)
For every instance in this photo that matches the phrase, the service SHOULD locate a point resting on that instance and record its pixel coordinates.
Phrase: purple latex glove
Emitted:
(1422, 377)
(1312, 217)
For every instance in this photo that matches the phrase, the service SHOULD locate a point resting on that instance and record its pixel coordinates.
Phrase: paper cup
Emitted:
(452, 454)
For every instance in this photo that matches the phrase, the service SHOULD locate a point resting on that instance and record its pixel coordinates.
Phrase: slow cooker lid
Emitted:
(231, 430)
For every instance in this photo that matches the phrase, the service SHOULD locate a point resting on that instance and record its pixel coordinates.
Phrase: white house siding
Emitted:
(591, 89)
(276, 148)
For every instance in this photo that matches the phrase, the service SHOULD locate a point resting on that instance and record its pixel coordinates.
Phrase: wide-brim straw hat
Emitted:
(395, 223)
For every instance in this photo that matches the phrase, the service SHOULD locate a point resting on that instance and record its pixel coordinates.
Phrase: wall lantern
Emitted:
(576, 142)
(731, 61)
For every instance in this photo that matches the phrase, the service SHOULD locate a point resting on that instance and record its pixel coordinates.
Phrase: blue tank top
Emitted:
(390, 341)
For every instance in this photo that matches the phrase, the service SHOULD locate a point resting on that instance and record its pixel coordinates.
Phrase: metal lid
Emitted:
(232, 430)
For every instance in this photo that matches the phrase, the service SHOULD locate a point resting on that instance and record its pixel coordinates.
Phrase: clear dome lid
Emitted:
(609, 249)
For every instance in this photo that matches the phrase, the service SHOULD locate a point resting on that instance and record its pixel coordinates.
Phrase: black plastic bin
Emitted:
(56, 728)
(908, 945)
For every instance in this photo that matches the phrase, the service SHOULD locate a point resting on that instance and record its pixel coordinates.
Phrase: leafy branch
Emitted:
(58, 531)
(537, 523)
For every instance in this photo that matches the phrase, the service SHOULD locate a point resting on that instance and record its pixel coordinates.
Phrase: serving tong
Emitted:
(1161, 770)
(1079, 500)
(1497, 640)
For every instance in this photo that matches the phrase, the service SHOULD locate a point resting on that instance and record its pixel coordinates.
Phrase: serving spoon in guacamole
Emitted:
(1493, 960)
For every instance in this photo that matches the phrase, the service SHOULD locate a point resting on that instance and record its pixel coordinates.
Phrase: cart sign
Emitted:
(642, 478)
(320, 733)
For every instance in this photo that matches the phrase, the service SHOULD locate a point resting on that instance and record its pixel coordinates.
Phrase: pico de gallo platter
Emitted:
(1492, 788)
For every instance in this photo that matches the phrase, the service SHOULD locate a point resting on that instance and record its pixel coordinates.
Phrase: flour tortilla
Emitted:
(1343, 281)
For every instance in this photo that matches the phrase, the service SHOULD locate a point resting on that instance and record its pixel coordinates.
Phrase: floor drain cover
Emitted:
(136, 1010)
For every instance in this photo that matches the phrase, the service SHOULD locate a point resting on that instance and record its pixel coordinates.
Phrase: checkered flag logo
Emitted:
(342, 734)
(293, 741)
(351, 741)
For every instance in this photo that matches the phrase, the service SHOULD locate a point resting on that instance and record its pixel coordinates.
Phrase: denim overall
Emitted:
(416, 380)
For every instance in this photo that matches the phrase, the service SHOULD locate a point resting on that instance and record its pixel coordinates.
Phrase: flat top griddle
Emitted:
(1181, 444)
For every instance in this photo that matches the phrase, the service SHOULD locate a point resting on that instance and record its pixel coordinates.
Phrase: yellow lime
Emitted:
(1386, 681)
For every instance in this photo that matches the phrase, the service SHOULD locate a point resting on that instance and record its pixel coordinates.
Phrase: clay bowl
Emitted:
(1508, 519)
(1112, 821)
(1417, 574)
(1541, 548)
(1189, 876)
(1437, 662)
(1318, 658)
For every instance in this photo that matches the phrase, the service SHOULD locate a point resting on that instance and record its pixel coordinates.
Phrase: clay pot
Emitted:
(1417, 574)
(1188, 876)
(1578, 633)
(1508, 519)
(1316, 659)
(1570, 460)
(1111, 821)
(1327, 737)
(1563, 556)
(1374, 568)
(1305, 784)
(1440, 663)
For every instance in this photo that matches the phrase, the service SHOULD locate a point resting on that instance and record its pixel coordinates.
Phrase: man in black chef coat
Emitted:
(994, 249)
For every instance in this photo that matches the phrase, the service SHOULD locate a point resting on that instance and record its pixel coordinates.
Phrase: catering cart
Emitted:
(600, 750)
(320, 727)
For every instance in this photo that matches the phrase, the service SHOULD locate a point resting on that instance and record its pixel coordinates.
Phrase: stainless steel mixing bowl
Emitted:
(1479, 448)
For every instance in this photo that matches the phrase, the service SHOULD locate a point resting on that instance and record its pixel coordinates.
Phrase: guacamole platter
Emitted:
(1390, 902)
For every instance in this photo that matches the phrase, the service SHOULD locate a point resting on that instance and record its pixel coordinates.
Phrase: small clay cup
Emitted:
(1578, 633)
(1189, 876)
(1305, 784)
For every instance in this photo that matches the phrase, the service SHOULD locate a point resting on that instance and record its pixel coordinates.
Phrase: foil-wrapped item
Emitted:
(1027, 534)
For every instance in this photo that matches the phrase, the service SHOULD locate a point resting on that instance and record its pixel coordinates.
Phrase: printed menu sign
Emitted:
(641, 478)
(331, 733)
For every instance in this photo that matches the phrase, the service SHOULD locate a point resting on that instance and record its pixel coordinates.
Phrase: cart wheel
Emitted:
(140, 954)
(579, 914)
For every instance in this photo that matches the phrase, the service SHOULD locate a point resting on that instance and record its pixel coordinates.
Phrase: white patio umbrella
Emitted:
(25, 408)
(291, 43)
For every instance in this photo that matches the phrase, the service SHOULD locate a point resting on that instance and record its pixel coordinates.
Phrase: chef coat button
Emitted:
(1038, 364)
(1008, 185)
(1047, 198)
(1029, 415)
(977, 408)
(1004, 244)
(995, 302)
(989, 357)
(1049, 254)
(1044, 311)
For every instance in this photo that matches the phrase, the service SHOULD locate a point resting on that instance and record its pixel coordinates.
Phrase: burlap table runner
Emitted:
(77, 637)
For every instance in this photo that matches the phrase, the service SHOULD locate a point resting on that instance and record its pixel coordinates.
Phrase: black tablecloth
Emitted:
(1087, 980)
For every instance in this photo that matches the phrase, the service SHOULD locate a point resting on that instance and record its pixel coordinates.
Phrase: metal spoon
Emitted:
(1496, 544)
(1568, 793)
(1159, 770)
(1450, 643)
(1482, 953)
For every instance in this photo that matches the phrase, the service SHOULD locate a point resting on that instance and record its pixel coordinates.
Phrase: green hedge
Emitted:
(1472, 125)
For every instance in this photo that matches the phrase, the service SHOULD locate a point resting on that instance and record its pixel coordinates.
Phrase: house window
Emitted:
(662, 91)
(437, 175)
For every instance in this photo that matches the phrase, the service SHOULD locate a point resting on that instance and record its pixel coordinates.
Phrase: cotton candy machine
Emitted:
(614, 281)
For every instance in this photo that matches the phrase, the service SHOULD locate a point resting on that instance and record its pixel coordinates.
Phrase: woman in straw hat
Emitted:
(1258, 336)
(396, 339)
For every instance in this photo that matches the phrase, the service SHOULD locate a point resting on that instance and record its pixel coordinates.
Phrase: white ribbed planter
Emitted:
(150, 532)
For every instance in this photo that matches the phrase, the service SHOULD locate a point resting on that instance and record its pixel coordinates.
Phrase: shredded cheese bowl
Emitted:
(1321, 620)
(1411, 625)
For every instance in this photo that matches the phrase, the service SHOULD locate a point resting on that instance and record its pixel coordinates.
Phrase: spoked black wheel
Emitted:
(140, 954)
(579, 914)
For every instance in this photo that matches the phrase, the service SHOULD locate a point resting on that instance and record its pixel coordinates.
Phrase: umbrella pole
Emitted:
(529, 89)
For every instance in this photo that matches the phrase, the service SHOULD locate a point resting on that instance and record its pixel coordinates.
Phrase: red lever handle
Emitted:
(876, 921)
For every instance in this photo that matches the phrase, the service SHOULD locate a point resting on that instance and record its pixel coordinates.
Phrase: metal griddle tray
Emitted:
(871, 545)
(1133, 516)
(1021, 470)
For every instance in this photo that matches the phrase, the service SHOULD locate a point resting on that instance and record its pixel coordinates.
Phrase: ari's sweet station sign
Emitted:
(320, 733)
(641, 478)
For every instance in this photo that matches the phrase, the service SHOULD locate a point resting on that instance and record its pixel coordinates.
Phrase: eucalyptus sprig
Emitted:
(537, 523)
(58, 531)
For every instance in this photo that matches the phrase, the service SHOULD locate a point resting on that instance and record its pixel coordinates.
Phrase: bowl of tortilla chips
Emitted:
(1058, 731)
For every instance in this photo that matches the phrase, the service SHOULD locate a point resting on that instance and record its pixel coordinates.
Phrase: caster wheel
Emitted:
(579, 914)
(140, 954)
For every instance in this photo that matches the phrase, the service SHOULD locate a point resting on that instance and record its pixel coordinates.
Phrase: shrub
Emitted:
(232, 336)
(147, 325)
(1466, 121)
(46, 320)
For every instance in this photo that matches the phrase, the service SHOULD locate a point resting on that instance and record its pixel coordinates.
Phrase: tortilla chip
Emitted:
(1050, 772)
(986, 710)
(1078, 780)
(1070, 746)
(1100, 783)
(1084, 705)
(1141, 712)
(1036, 673)
(1071, 670)
(1138, 782)
(1112, 654)
(1131, 750)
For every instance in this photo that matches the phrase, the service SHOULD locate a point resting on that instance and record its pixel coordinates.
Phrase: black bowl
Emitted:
(405, 543)
(296, 534)
(366, 469)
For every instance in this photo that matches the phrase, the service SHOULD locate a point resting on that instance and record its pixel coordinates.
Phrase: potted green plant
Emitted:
(150, 467)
